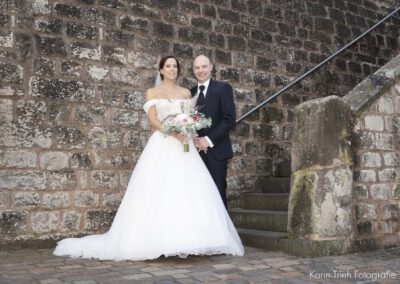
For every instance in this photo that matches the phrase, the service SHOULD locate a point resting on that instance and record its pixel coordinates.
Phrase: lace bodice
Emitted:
(165, 107)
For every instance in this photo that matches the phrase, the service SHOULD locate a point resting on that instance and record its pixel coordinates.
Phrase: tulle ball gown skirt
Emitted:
(171, 207)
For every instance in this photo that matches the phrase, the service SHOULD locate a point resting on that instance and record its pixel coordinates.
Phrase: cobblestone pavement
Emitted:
(257, 266)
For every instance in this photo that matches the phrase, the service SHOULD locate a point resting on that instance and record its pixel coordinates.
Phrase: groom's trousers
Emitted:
(218, 171)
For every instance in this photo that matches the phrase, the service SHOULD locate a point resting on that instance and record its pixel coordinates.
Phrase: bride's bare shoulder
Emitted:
(185, 92)
(151, 93)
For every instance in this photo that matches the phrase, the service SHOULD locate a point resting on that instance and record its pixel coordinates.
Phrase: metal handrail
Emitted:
(315, 67)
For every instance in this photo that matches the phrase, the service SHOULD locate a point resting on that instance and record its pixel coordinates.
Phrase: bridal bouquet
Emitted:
(187, 122)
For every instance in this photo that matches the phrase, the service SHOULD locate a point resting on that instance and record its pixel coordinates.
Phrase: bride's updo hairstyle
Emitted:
(162, 63)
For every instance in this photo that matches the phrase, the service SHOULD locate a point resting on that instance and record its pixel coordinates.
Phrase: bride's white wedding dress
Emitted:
(171, 207)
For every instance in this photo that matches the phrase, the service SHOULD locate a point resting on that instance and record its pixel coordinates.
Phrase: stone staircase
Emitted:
(261, 218)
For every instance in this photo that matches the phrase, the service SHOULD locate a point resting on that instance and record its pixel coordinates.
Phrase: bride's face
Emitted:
(170, 69)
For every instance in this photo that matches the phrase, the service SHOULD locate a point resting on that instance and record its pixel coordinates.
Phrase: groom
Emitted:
(215, 100)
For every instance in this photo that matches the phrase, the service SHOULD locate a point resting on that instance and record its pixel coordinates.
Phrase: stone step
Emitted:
(260, 239)
(260, 219)
(266, 201)
(275, 185)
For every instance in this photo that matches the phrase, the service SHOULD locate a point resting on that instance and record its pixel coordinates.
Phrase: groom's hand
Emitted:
(201, 144)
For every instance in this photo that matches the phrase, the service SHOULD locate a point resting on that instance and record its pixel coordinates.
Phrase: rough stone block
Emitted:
(50, 46)
(142, 60)
(134, 140)
(391, 212)
(68, 11)
(133, 99)
(100, 16)
(91, 115)
(6, 39)
(112, 199)
(54, 161)
(192, 35)
(128, 76)
(6, 110)
(59, 112)
(176, 16)
(43, 66)
(104, 179)
(236, 43)
(115, 4)
(71, 221)
(71, 68)
(80, 160)
(61, 89)
(30, 112)
(365, 212)
(40, 7)
(68, 138)
(11, 73)
(86, 199)
(381, 191)
(134, 24)
(13, 223)
(98, 73)
(387, 175)
(102, 138)
(56, 200)
(391, 159)
(384, 141)
(125, 176)
(162, 29)
(365, 176)
(20, 159)
(183, 51)
(371, 159)
(45, 222)
(156, 46)
(82, 32)
(22, 180)
(256, 78)
(120, 37)
(114, 55)
(86, 50)
(48, 25)
(84, 180)
(26, 199)
(109, 95)
(62, 180)
(113, 160)
(99, 219)
(374, 122)
(386, 105)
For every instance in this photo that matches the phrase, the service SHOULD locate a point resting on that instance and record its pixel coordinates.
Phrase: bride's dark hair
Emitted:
(162, 63)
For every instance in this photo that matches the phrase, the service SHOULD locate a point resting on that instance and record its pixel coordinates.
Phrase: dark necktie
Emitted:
(200, 99)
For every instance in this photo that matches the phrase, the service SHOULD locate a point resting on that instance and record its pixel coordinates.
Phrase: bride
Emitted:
(172, 206)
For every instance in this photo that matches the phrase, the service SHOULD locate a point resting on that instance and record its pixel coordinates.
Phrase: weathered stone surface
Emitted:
(112, 199)
(365, 212)
(41, 7)
(6, 107)
(99, 219)
(80, 160)
(61, 89)
(13, 223)
(82, 32)
(104, 179)
(114, 55)
(56, 200)
(22, 179)
(316, 127)
(26, 199)
(48, 25)
(86, 50)
(381, 191)
(59, 113)
(20, 159)
(113, 160)
(124, 118)
(91, 115)
(62, 180)
(86, 199)
(45, 222)
(30, 112)
(54, 161)
(371, 159)
(5, 199)
(50, 46)
(71, 68)
(43, 66)
(104, 138)
(142, 60)
(11, 73)
(68, 137)
(6, 39)
(134, 140)
(98, 73)
(133, 99)
(71, 221)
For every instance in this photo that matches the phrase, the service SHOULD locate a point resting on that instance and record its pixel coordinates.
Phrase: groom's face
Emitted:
(202, 68)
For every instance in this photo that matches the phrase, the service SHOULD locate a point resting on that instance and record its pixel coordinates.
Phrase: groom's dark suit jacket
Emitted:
(221, 108)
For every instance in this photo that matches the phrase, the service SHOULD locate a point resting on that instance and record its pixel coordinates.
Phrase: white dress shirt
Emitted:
(205, 84)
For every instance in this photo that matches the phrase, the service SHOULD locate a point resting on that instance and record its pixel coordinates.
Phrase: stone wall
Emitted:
(73, 76)
(345, 193)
